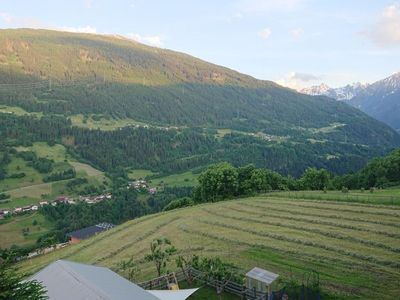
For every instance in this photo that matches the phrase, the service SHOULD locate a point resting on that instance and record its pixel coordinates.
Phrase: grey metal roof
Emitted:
(87, 232)
(262, 275)
(65, 280)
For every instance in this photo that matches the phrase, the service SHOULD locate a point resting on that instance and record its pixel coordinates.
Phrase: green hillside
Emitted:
(32, 187)
(168, 112)
(119, 77)
(354, 247)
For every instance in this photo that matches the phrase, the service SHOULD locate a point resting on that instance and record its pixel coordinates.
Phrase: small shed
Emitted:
(261, 280)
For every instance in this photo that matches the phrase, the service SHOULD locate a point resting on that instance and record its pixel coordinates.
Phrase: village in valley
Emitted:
(139, 185)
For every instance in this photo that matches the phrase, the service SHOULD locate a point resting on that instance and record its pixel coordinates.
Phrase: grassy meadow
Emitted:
(12, 229)
(31, 188)
(355, 247)
(183, 179)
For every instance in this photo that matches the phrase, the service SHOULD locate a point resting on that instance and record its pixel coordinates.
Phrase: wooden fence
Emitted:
(161, 283)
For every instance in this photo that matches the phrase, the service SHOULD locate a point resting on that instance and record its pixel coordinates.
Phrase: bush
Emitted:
(4, 196)
(345, 190)
(178, 203)
(17, 175)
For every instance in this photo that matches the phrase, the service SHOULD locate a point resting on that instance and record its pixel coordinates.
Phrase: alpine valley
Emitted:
(116, 103)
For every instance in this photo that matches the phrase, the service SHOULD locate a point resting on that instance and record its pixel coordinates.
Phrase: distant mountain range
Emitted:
(380, 99)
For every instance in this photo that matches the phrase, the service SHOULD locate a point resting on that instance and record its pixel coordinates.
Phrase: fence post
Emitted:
(243, 293)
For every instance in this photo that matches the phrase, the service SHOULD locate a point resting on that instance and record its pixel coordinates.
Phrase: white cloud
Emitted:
(305, 77)
(386, 30)
(154, 40)
(265, 6)
(297, 32)
(297, 81)
(85, 29)
(265, 33)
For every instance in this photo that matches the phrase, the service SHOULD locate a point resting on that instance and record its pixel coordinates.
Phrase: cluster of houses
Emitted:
(46, 250)
(141, 185)
(60, 199)
(87, 199)
(24, 209)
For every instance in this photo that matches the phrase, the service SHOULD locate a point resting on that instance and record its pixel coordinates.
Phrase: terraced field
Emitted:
(355, 247)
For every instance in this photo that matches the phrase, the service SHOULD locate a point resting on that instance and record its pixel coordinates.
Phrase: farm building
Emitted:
(87, 232)
(69, 280)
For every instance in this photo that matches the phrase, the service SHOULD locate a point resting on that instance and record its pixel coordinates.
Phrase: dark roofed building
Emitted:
(85, 233)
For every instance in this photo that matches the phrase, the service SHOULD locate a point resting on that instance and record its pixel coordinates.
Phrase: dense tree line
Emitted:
(221, 181)
(380, 172)
(61, 175)
(174, 151)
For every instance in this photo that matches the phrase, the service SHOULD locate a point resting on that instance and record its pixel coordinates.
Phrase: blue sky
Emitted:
(294, 42)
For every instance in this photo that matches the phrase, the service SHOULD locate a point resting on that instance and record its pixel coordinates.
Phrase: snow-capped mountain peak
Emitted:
(380, 99)
(343, 93)
(391, 82)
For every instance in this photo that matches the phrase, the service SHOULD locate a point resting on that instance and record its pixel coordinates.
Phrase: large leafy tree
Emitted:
(219, 181)
(314, 179)
(12, 285)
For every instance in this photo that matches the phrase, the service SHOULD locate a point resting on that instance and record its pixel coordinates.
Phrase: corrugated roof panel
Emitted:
(262, 275)
(66, 280)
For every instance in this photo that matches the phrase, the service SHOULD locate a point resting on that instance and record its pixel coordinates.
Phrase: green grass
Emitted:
(103, 123)
(207, 293)
(180, 180)
(11, 230)
(389, 196)
(18, 165)
(222, 132)
(355, 247)
(57, 152)
(140, 173)
(31, 188)
(18, 111)
(18, 202)
(86, 169)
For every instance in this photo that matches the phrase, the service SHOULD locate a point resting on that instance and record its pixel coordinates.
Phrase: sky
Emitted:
(297, 43)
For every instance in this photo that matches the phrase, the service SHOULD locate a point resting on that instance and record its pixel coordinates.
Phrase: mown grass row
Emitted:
(287, 199)
(307, 229)
(314, 221)
(294, 203)
(107, 234)
(238, 242)
(140, 238)
(279, 237)
(363, 199)
(338, 217)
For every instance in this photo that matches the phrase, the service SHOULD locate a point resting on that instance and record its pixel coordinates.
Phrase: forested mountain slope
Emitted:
(66, 74)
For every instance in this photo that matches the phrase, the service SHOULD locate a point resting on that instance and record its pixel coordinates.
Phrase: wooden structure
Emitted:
(229, 286)
(260, 280)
